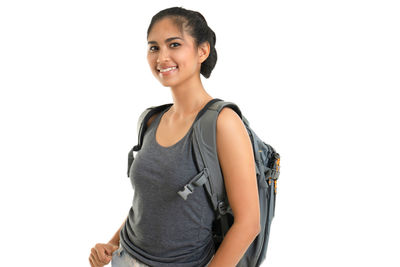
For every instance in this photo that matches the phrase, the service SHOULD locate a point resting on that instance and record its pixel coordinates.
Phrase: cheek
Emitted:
(187, 58)
(152, 62)
(150, 59)
(183, 60)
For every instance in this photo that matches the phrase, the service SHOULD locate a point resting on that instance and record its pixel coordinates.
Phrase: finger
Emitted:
(108, 260)
(100, 256)
(111, 249)
(106, 250)
(92, 262)
(103, 251)
(95, 260)
(108, 255)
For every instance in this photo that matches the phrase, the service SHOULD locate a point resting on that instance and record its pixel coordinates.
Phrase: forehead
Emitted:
(163, 29)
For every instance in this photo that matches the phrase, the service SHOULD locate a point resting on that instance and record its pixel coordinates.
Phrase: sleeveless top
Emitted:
(163, 229)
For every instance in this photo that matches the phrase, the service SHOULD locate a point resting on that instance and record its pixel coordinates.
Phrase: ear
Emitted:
(203, 51)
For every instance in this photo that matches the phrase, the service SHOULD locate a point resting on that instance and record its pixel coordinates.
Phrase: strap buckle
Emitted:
(199, 180)
(222, 208)
(187, 190)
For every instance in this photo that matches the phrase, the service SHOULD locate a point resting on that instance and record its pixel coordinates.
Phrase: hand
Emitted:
(101, 254)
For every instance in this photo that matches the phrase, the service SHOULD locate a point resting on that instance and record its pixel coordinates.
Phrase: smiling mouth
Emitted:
(167, 69)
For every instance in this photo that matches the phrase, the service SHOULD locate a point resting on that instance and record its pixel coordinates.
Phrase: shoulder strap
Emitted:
(144, 118)
(142, 127)
(205, 153)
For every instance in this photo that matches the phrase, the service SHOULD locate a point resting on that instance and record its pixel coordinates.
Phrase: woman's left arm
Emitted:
(236, 158)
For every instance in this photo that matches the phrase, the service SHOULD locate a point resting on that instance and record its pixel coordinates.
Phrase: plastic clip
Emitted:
(199, 180)
(187, 190)
(222, 208)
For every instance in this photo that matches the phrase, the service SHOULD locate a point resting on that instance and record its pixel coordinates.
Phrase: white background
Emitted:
(316, 79)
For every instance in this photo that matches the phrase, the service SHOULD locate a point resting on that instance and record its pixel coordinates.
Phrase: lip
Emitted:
(168, 72)
(165, 67)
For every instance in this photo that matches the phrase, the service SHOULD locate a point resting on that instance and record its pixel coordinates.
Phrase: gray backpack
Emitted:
(211, 179)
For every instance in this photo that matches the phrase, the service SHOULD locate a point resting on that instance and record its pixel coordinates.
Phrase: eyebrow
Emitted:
(166, 40)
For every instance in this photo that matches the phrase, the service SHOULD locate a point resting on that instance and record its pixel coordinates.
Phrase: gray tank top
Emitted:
(162, 229)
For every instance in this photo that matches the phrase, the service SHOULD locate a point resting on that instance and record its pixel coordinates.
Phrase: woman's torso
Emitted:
(163, 229)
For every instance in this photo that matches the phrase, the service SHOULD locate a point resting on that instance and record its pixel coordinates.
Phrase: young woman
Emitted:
(161, 228)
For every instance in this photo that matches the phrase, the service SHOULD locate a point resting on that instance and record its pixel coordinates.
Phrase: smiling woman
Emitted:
(174, 54)
(162, 229)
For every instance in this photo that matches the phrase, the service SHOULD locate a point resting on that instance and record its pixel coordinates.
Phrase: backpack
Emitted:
(267, 162)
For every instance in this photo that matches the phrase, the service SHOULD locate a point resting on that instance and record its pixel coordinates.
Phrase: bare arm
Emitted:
(236, 158)
(115, 239)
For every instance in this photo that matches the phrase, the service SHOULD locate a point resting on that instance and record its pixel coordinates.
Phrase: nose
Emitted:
(162, 55)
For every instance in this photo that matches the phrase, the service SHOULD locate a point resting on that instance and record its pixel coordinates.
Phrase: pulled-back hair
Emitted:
(195, 25)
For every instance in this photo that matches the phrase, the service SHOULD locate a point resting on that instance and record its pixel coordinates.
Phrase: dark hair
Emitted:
(196, 25)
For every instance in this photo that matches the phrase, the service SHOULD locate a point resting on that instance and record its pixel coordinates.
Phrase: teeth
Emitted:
(168, 69)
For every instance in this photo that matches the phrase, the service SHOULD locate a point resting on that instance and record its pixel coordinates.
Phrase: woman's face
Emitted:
(168, 47)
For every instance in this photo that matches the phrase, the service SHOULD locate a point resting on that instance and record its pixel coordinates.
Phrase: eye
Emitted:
(151, 48)
(156, 48)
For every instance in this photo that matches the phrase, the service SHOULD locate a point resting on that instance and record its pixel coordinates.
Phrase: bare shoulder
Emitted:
(230, 125)
(233, 141)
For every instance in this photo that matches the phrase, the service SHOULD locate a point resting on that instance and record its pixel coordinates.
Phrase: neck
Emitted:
(188, 99)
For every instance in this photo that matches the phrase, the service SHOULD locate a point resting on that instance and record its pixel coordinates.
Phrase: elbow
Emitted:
(252, 228)
(256, 225)
(256, 228)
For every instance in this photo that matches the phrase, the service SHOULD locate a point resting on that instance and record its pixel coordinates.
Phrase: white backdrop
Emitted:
(316, 79)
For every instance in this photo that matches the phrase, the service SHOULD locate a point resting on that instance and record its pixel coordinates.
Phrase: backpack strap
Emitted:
(142, 127)
(206, 157)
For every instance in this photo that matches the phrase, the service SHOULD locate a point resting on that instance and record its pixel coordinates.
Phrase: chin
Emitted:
(168, 82)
